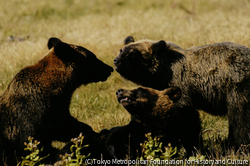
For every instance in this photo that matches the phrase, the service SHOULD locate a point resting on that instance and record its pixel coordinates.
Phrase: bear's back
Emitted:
(208, 73)
(219, 61)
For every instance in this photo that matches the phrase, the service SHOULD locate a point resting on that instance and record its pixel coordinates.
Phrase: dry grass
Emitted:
(101, 27)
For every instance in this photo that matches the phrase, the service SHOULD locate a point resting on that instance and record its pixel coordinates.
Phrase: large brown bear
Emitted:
(36, 103)
(159, 113)
(214, 78)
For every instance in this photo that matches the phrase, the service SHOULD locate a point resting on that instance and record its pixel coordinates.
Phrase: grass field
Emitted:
(101, 27)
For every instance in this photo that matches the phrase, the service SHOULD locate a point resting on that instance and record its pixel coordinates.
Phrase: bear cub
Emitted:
(36, 102)
(159, 113)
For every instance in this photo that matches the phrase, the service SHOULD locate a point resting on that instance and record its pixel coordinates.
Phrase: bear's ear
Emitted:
(128, 40)
(174, 93)
(53, 42)
(64, 52)
(160, 45)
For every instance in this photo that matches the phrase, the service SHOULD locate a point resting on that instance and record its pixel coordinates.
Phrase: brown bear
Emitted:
(159, 113)
(214, 78)
(36, 103)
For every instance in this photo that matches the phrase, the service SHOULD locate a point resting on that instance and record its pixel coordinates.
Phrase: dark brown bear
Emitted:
(36, 103)
(159, 113)
(214, 78)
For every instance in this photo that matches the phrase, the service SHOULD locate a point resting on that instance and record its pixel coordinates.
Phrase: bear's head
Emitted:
(149, 105)
(142, 62)
(85, 65)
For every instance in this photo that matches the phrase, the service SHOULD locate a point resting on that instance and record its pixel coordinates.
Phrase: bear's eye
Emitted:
(120, 50)
(140, 91)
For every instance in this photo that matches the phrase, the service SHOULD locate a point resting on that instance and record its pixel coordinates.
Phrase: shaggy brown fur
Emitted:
(214, 78)
(158, 112)
(36, 103)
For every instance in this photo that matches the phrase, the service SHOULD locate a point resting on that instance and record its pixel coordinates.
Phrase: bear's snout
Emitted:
(117, 61)
(119, 91)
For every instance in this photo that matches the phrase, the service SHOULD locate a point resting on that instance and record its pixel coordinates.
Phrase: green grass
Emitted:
(101, 27)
